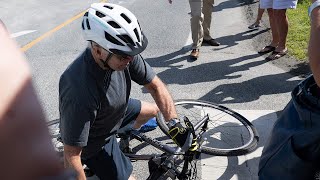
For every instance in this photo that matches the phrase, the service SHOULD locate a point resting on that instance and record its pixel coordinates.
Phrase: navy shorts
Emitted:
(110, 163)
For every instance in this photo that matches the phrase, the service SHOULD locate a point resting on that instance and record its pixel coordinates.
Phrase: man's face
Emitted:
(115, 61)
(119, 62)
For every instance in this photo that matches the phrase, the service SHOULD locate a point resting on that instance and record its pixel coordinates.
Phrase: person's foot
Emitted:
(255, 26)
(194, 54)
(277, 54)
(211, 42)
(267, 49)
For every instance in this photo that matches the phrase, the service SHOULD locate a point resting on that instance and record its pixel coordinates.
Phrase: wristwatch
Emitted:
(313, 5)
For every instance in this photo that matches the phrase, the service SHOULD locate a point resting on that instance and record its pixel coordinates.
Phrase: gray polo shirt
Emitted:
(93, 101)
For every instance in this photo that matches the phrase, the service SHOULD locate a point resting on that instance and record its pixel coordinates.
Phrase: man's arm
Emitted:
(72, 160)
(314, 44)
(162, 97)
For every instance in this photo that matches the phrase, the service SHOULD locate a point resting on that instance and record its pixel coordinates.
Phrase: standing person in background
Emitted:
(201, 13)
(293, 149)
(26, 151)
(279, 26)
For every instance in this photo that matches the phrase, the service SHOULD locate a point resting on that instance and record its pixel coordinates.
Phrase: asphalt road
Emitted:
(232, 74)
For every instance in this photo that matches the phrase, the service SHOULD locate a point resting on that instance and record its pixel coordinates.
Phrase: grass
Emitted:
(299, 31)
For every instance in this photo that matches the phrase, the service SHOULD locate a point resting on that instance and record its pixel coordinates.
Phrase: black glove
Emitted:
(181, 136)
(194, 145)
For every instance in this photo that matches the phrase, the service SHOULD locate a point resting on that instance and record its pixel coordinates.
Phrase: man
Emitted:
(94, 94)
(201, 13)
(279, 26)
(26, 151)
(293, 149)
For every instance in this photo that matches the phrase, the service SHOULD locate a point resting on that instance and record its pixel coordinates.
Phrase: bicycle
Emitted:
(219, 131)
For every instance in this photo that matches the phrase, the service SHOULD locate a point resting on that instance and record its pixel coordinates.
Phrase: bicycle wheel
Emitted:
(228, 133)
(54, 131)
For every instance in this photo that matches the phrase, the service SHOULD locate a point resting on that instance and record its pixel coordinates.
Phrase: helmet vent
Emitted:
(126, 39)
(112, 39)
(125, 17)
(82, 25)
(86, 14)
(136, 32)
(109, 7)
(99, 14)
(114, 24)
(88, 25)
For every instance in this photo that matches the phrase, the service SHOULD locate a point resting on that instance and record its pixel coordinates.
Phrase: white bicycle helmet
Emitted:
(114, 28)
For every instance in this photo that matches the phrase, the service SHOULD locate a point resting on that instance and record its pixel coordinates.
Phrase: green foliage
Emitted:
(303, 1)
(299, 30)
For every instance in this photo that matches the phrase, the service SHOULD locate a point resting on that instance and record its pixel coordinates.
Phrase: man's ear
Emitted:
(97, 51)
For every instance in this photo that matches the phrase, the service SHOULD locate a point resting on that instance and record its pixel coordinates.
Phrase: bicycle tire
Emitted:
(54, 131)
(228, 134)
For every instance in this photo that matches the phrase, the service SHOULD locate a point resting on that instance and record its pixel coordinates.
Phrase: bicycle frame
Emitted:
(172, 153)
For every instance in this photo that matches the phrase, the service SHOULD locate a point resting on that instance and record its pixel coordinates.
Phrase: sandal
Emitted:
(276, 55)
(267, 49)
(254, 26)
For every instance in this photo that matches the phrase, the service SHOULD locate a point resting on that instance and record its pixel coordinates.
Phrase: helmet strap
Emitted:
(105, 62)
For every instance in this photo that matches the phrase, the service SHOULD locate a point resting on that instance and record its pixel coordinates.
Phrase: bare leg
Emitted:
(148, 110)
(274, 30)
(282, 28)
(132, 178)
(259, 16)
(256, 24)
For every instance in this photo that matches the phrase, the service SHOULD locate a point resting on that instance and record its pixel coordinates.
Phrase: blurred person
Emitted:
(94, 94)
(293, 149)
(26, 151)
(279, 25)
(201, 13)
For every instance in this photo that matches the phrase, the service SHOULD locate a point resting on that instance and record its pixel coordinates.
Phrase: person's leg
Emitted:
(282, 23)
(110, 163)
(132, 178)
(148, 111)
(273, 26)
(196, 23)
(259, 16)
(257, 23)
(274, 33)
(138, 113)
(207, 14)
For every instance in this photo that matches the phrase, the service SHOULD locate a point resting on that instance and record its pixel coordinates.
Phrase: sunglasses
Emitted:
(122, 57)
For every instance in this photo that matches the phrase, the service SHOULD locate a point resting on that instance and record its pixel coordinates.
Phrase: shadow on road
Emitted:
(252, 89)
(203, 72)
(233, 40)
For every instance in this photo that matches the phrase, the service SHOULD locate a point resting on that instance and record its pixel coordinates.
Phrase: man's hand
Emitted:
(181, 136)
